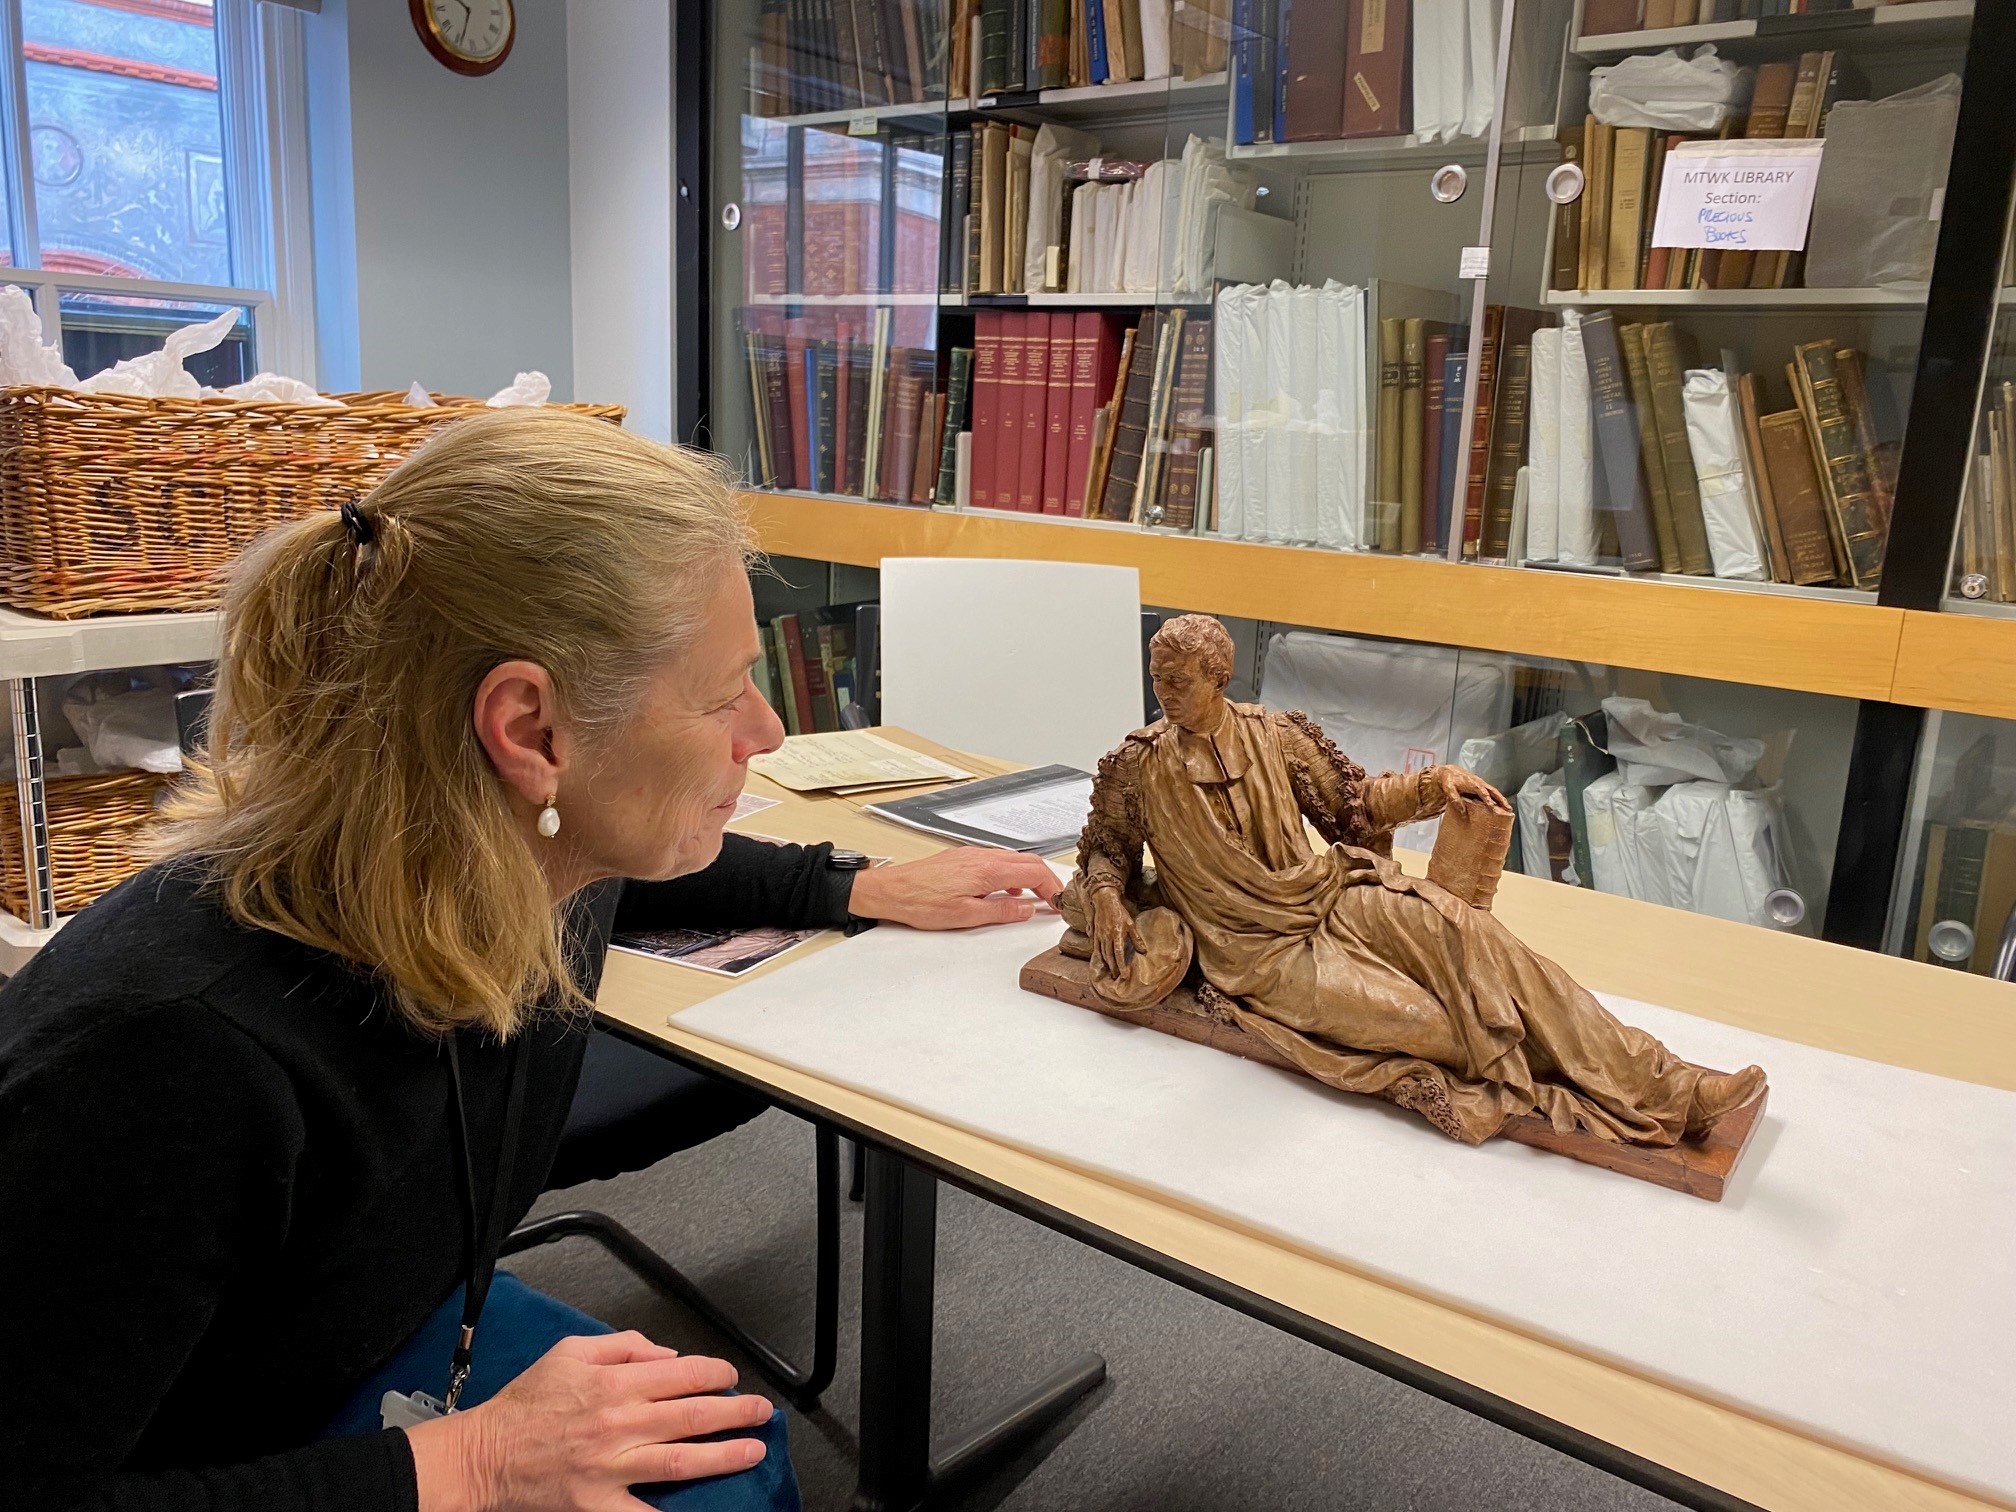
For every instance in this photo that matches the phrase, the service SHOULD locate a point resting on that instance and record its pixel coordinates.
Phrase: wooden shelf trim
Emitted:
(1849, 650)
(1964, 662)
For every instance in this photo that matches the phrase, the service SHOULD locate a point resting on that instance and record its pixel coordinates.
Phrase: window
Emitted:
(142, 140)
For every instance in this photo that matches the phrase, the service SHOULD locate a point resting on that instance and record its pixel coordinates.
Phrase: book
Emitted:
(1655, 167)
(1745, 388)
(930, 417)
(1630, 160)
(1104, 423)
(1284, 20)
(1596, 141)
(1882, 456)
(958, 205)
(1053, 45)
(825, 359)
(791, 648)
(1384, 509)
(825, 714)
(1619, 485)
(1566, 265)
(1455, 369)
(1155, 452)
(1097, 68)
(1095, 353)
(1508, 452)
(1602, 18)
(1683, 489)
(1796, 496)
(1770, 100)
(1651, 460)
(1478, 454)
(958, 400)
(794, 383)
(993, 153)
(1584, 758)
(860, 356)
(1931, 862)
(1375, 87)
(1318, 66)
(986, 405)
(1964, 859)
(1245, 67)
(1435, 392)
(1266, 66)
(1008, 411)
(1413, 410)
(1035, 425)
(1057, 410)
(1129, 438)
(1190, 427)
(1850, 494)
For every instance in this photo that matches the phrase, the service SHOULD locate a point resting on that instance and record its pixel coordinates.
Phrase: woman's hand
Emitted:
(1460, 786)
(955, 889)
(593, 1417)
(1114, 933)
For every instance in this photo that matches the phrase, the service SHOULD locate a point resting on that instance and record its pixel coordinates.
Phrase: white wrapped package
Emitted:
(1637, 839)
(1055, 146)
(161, 375)
(272, 388)
(1506, 760)
(526, 389)
(1277, 345)
(1577, 534)
(1154, 39)
(124, 727)
(24, 356)
(1666, 92)
(1721, 854)
(1305, 315)
(1612, 873)
(1655, 748)
(1480, 82)
(1389, 707)
(1332, 444)
(1735, 543)
(1538, 796)
(1349, 312)
(1228, 417)
(1543, 449)
(1439, 54)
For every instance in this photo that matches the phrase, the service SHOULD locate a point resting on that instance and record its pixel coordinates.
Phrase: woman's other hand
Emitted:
(591, 1418)
(955, 889)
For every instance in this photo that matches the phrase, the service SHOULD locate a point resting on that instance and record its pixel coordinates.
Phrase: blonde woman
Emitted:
(265, 1109)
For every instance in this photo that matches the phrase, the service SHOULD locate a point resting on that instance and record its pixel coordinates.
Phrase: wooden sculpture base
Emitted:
(1700, 1168)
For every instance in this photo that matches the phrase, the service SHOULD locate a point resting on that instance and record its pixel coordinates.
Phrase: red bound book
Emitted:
(986, 405)
(1035, 410)
(1008, 413)
(801, 686)
(1057, 401)
(1376, 76)
(1095, 359)
(794, 385)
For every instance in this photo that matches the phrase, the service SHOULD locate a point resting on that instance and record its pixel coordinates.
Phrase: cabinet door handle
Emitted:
(731, 216)
(1564, 184)
(1448, 182)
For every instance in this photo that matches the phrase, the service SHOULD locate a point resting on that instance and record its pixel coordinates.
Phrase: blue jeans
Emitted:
(520, 1325)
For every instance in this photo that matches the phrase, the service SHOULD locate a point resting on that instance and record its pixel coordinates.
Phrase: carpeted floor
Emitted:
(1204, 1410)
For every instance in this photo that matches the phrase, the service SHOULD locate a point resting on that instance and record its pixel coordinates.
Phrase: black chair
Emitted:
(634, 1108)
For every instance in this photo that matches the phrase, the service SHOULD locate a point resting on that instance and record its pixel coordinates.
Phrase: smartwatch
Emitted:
(844, 864)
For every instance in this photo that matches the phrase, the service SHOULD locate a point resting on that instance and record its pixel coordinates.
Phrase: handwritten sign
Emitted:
(1737, 196)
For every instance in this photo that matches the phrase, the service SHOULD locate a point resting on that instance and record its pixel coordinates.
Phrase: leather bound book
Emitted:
(1190, 428)
(959, 202)
(1095, 353)
(794, 382)
(1614, 428)
(994, 44)
(1683, 488)
(986, 405)
(930, 420)
(1655, 167)
(1508, 451)
(1850, 492)
(1659, 14)
(759, 412)
(993, 197)
(1035, 410)
(1008, 411)
(1659, 261)
(1053, 46)
(903, 434)
(1478, 444)
(860, 359)
(1630, 161)
(1770, 100)
(777, 400)
(1129, 13)
(1605, 18)
(1376, 82)
(1413, 411)
(791, 640)
(1161, 406)
(1318, 64)
(844, 401)
(1813, 91)
(1385, 534)
(958, 404)
(1566, 271)
(1797, 495)
(1057, 410)
(1882, 457)
(1130, 427)
(1651, 460)
(1595, 202)
(1450, 452)
(825, 358)
(1760, 478)
(1435, 389)
(1104, 421)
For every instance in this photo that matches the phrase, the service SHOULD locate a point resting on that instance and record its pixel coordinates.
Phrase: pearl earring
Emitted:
(549, 818)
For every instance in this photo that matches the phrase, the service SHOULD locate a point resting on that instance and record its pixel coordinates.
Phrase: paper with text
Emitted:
(1029, 816)
(848, 759)
(1737, 196)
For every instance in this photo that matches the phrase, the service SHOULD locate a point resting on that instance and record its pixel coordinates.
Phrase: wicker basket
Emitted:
(113, 504)
(96, 825)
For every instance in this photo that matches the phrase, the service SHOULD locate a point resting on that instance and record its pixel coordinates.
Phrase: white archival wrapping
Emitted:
(1857, 1281)
(1543, 449)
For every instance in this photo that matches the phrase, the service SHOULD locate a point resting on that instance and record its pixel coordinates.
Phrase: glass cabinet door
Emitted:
(1983, 574)
(1955, 900)
(1713, 284)
(831, 138)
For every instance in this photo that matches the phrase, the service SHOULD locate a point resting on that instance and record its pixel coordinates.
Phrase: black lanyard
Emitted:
(481, 1243)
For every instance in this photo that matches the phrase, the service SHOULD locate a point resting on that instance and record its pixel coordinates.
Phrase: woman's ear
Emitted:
(518, 723)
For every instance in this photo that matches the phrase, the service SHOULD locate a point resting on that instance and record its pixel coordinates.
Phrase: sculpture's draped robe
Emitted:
(1356, 971)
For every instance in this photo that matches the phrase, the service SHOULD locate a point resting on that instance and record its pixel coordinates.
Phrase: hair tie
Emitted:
(355, 523)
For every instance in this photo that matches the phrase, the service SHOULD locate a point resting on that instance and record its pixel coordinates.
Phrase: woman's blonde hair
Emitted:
(343, 799)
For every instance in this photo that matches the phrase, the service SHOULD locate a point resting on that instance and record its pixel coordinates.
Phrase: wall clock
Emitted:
(469, 36)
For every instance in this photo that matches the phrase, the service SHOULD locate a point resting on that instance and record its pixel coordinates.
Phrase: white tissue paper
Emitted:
(161, 375)
(1538, 795)
(1721, 853)
(419, 398)
(272, 388)
(24, 356)
(526, 389)
(1666, 92)
(124, 727)
(1512, 758)
(1654, 749)
(1735, 541)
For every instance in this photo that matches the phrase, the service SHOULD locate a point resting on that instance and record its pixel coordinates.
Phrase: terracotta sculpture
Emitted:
(1344, 966)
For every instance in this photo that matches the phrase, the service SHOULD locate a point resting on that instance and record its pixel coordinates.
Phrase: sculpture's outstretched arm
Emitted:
(1345, 805)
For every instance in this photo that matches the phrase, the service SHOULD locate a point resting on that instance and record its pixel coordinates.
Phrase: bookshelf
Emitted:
(1740, 299)
(1895, 25)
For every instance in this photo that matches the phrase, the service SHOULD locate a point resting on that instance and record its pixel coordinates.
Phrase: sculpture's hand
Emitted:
(1113, 932)
(1459, 786)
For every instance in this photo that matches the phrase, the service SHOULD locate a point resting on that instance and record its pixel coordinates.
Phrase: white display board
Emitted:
(1858, 1281)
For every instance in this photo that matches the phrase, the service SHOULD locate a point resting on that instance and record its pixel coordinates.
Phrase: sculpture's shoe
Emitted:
(1720, 1093)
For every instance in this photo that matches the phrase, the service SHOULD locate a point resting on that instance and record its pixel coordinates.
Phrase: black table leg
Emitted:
(899, 1265)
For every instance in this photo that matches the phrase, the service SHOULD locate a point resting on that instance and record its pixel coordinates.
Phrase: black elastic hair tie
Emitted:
(355, 523)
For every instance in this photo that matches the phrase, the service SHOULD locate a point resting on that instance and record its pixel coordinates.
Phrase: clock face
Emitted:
(470, 36)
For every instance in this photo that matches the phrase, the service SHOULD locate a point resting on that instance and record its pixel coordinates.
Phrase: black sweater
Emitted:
(227, 1188)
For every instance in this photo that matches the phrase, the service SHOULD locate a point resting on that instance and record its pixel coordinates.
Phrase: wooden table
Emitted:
(1698, 1452)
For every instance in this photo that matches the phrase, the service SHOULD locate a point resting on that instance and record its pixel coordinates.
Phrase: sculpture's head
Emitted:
(1190, 661)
